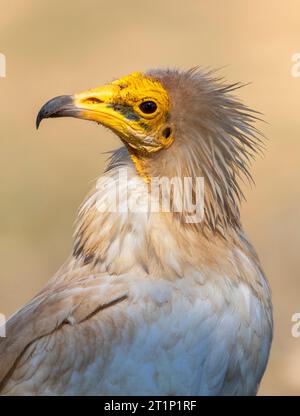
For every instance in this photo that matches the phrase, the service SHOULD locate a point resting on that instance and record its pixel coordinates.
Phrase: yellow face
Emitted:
(135, 107)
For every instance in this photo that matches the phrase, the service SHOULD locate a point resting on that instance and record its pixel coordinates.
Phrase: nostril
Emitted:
(92, 100)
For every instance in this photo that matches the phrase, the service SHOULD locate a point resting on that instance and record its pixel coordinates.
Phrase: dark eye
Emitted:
(148, 107)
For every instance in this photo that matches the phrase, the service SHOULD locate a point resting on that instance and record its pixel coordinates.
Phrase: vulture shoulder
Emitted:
(56, 315)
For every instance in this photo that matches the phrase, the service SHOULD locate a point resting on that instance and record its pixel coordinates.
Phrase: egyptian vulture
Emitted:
(151, 302)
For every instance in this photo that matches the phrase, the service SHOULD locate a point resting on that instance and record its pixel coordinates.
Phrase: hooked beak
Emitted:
(96, 105)
(62, 106)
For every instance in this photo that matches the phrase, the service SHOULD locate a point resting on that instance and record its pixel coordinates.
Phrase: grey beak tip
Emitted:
(57, 107)
(38, 121)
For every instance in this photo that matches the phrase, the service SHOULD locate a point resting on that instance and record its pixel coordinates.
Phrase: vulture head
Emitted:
(176, 124)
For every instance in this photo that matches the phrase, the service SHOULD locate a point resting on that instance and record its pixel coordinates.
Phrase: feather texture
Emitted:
(147, 304)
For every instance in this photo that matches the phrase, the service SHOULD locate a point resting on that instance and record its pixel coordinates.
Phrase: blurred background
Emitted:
(55, 48)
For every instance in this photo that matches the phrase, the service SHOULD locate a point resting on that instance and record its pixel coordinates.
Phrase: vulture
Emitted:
(155, 298)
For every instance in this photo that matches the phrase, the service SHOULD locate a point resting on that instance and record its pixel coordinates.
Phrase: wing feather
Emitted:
(48, 312)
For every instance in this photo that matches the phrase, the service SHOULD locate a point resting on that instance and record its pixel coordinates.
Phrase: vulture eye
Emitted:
(148, 107)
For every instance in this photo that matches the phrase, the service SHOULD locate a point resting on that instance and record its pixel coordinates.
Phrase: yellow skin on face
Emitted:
(116, 106)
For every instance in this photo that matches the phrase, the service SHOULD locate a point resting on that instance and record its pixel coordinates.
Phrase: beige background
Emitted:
(60, 47)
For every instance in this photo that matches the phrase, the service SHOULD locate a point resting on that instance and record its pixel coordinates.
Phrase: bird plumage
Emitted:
(147, 303)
